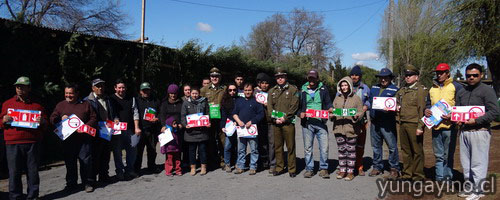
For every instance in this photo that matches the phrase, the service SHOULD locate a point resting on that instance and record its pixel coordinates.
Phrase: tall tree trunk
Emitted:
(493, 61)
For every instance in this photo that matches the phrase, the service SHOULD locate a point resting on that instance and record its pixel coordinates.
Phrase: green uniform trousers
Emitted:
(412, 151)
(285, 134)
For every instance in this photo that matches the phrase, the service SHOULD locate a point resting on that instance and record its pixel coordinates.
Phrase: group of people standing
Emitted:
(272, 116)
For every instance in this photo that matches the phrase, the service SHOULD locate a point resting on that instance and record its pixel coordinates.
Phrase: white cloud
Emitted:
(359, 63)
(365, 56)
(204, 27)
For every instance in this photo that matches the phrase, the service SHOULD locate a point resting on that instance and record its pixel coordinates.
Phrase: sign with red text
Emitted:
(149, 114)
(198, 120)
(24, 118)
(464, 113)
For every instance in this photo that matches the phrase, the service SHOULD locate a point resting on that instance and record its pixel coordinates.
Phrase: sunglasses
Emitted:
(232, 90)
(472, 75)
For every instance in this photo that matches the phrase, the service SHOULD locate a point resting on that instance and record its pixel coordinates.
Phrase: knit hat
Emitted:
(169, 120)
(356, 70)
(263, 77)
(173, 89)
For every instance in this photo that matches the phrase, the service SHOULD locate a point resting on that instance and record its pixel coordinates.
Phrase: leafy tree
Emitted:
(95, 17)
(421, 37)
(478, 32)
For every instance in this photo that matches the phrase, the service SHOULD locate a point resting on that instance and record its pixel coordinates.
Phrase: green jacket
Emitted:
(212, 93)
(412, 100)
(285, 100)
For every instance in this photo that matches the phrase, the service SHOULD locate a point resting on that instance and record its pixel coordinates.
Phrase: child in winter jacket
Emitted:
(172, 149)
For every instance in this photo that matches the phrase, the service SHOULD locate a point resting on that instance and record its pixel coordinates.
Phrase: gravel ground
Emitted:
(218, 184)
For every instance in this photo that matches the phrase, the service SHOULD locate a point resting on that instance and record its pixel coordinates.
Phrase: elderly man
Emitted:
(23, 144)
(383, 125)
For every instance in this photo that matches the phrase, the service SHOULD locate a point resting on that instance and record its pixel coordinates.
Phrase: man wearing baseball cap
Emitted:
(101, 148)
(383, 125)
(147, 100)
(314, 96)
(444, 134)
(411, 99)
(23, 144)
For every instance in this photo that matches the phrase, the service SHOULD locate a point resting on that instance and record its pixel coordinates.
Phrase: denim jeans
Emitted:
(378, 134)
(19, 157)
(309, 132)
(443, 144)
(228, 147)
(120, 142)
(202, 152)
(242, 152)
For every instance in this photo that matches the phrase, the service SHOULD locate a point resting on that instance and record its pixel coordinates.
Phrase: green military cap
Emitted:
(145, 85)
(215, 72)
(280, 72)
(23, 80)
(411, 70)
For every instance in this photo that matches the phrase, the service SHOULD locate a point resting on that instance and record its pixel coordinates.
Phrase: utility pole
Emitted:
(143, 23)
(391, 35)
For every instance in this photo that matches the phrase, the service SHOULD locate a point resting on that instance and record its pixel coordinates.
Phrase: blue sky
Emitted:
(171, 23)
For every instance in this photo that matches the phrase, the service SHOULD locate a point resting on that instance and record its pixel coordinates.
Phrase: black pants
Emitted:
(101, 152)
(202, 151)
(263, 146)
(19, 157)
(148, 140)
(78, 147)
(215, 148)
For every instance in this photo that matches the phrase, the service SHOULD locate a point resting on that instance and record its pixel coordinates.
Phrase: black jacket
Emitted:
(479, 95)
(197, 134)
(170, 109)
(142, 104)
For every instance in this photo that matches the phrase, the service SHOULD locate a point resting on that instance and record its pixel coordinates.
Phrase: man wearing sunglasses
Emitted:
(475, 134)
(412, 100)
(444, 134)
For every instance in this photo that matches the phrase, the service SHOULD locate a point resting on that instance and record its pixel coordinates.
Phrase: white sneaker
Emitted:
(474, 196)
(464, 194)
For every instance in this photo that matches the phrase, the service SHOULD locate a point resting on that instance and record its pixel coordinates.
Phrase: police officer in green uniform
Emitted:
(214, 92)
(283, 99)
(411, 104)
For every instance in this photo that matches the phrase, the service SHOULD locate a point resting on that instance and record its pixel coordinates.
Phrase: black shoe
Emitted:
(104, 179)
(71, 188)
(277, 173)
(292, 175)
(89, 188)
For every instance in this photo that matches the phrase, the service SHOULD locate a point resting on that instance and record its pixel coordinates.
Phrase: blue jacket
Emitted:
(326, 102)
(379, 116)
(248, 110)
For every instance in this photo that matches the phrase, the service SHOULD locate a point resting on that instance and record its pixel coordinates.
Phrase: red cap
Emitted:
(442, 67)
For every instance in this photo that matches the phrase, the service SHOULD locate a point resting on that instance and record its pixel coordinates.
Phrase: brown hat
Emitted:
(280, 72)
(312, 73)
(214, 72)
(411, 70)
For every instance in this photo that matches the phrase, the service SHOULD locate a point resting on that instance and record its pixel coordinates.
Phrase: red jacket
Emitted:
(17, 135)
